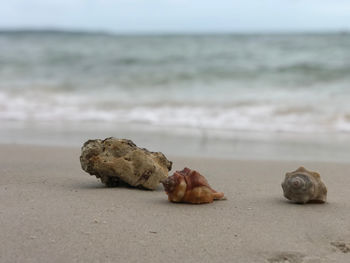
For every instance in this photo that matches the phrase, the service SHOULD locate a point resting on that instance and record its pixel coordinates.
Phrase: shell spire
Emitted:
(303, 186)
(189, 186)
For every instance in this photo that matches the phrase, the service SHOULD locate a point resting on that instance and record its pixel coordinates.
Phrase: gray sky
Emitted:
(177, 15)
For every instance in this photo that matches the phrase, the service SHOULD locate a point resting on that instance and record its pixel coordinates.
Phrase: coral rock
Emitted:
(303, 186)
(188, 186)
(115, 160)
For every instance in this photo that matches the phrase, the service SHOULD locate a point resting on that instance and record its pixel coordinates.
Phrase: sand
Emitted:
(52, 211)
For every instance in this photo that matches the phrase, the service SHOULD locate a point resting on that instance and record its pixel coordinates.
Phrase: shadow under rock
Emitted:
(120, 185)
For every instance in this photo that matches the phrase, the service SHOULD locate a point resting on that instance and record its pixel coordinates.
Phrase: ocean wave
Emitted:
(257, 117)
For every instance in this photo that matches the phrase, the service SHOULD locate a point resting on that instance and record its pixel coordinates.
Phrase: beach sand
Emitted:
(52, 211)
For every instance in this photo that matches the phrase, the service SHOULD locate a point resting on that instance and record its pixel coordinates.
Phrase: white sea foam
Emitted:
(258, 117)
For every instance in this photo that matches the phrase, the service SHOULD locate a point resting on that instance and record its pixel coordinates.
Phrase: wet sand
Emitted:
(52, 211)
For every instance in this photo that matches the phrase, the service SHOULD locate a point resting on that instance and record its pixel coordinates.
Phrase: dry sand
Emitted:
(52, 211)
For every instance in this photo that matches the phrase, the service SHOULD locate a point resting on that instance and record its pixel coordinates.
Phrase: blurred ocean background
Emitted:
(277, 96)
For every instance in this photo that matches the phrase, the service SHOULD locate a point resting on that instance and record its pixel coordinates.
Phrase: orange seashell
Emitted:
(189, 186)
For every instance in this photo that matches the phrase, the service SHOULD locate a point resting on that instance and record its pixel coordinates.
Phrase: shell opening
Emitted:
(169, 184)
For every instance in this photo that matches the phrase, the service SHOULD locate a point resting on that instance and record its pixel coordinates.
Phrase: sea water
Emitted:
(195, 88)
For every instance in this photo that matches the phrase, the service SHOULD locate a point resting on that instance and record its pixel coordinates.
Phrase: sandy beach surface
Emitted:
(52, 211)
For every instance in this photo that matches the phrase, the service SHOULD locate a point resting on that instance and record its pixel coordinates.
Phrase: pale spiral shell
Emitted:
(303, 186)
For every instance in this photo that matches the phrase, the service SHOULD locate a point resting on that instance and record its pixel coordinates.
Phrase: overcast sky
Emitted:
(177, 15)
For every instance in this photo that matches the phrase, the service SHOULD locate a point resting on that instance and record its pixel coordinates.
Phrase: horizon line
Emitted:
(169, 32)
